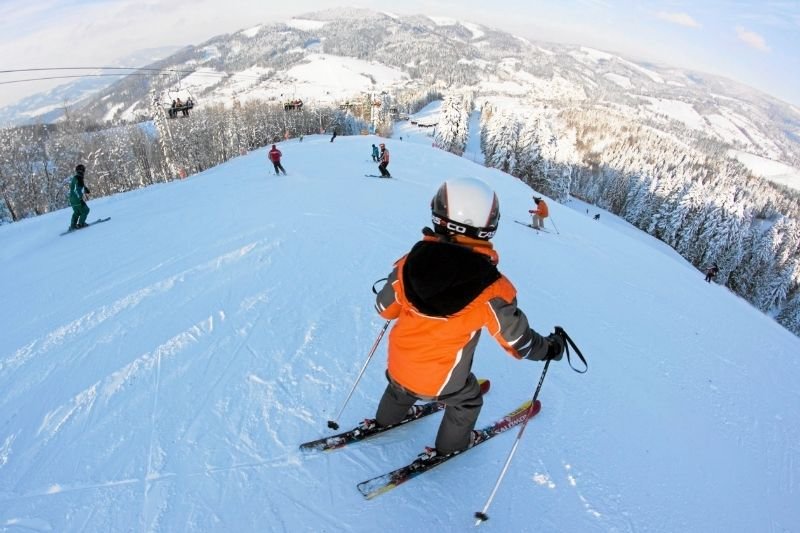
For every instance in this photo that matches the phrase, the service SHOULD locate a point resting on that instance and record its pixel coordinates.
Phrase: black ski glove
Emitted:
(555, 347)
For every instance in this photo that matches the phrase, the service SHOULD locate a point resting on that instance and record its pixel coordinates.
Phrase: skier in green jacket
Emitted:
(77, 191)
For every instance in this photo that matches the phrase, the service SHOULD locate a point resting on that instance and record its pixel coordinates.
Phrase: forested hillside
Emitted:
(657, 146)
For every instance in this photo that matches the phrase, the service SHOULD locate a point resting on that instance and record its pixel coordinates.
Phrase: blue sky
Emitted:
(755, 42)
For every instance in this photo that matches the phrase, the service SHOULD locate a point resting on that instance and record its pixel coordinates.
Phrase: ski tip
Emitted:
(485, 385)
(309, 446)
(371, 493)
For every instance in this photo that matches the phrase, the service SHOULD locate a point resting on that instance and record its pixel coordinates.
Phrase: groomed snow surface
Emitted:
(159, 371)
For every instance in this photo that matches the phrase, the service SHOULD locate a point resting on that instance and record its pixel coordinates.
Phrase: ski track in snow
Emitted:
(92, 319)
(83, 402)
(6, 449)
(208, 357)
(54, 420)
(268, 399)
(147, 510)
(27, 524)
(288, 459)
(607, 511)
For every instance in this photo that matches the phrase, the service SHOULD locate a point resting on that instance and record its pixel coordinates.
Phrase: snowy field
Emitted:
(321, 78)
(159, 371)
(769, 169)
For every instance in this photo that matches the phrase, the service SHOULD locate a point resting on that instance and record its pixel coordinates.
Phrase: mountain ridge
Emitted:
(260, 61)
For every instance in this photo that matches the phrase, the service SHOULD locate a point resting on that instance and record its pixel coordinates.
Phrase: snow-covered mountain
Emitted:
(159, 371)
(338, 54)
(332, 55)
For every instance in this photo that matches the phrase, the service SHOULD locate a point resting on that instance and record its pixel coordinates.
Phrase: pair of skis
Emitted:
(531, 226)
(98, 221)
(386, 482)
(363, 431)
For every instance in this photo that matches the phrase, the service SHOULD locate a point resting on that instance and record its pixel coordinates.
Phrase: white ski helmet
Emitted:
(466, 206)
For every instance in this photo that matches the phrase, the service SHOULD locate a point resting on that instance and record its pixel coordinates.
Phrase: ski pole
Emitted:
(481, 515)
(332, 423)
(554, 225)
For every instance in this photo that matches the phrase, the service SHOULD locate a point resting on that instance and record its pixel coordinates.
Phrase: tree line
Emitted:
(36, 162)
(686, 192)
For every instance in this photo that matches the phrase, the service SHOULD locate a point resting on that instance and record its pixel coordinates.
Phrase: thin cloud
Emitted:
(596, 3)
(682, 19)
(752, 39)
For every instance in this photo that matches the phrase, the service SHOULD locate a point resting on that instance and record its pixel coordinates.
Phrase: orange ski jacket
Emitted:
(541, 209)
(442, 294)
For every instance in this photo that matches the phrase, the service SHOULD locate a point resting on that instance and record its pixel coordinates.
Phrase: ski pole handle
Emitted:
(567, 343)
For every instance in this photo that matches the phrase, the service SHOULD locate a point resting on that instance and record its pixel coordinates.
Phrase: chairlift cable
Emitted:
(142, 72)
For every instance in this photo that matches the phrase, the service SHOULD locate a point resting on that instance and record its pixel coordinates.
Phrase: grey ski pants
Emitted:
(460, 414)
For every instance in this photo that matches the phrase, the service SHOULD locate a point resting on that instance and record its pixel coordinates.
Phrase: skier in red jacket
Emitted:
(274, 155)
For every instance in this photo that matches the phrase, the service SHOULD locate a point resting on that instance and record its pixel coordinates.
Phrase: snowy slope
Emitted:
(158, 371)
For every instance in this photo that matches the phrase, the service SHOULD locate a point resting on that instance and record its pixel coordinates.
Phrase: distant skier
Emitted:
(335, 133)
(274, 155)
(441, 294)
(375, 153)
(384, 158)
(540, 213)
(712, 272)
(77, 193)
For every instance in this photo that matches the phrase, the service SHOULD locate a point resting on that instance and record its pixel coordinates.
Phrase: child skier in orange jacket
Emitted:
(442, 294)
